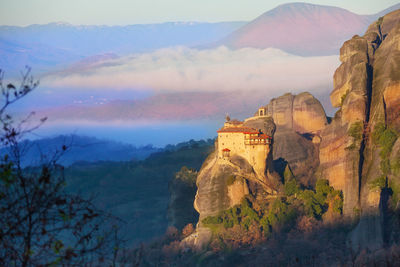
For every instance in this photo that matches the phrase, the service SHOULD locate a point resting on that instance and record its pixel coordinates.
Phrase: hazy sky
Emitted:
(122, 12)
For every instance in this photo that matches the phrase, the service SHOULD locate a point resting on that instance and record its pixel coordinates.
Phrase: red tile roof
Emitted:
(226, 150)
(247, 130)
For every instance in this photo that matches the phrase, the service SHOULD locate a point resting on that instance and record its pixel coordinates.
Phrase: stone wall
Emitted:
(256, 155)
(232, 141)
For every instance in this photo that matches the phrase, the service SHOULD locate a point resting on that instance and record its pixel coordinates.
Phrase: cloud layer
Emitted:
(189, 70)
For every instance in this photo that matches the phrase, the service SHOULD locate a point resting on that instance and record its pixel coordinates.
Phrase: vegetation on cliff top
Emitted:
(280, 213)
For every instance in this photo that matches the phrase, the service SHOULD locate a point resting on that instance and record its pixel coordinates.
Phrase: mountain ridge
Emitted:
(302, 29)
(70, 43)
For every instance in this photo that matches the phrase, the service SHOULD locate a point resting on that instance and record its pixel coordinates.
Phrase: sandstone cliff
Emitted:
(354, 147)
(299, 121)
(358, 152)
(224, 183)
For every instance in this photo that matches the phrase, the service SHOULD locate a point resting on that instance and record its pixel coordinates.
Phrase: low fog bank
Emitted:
(183, 69)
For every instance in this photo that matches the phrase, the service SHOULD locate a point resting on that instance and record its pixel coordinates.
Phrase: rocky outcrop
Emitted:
(367, 93)
(224, 182)
(301, 113)
(213, 189)
(308, 114)
(265, 124)
(299, 121)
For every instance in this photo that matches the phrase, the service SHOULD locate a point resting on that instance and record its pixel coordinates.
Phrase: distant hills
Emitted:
(53, 45)
(81, 149)
(302, 29)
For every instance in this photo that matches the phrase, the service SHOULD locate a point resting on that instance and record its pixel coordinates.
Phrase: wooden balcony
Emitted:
(257, 141)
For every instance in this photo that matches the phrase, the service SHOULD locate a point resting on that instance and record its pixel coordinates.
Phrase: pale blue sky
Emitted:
(122, 12)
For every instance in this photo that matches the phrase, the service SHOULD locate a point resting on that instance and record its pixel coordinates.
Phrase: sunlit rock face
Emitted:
(299, 121)
(230, 172)
(235, 169)
(308, 114)
(367, 93)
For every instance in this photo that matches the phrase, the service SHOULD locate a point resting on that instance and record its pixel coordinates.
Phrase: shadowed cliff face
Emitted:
(182, 190)
(352, 151)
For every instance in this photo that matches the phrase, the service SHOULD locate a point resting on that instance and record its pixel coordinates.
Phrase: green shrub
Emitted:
(228, 224)
(385, 139)
(242, 214)
(265, 226)
(212, 220)
(379, 182)
(312, 205)
(336, 196)
(291, 187)
(378, 131)
(326, 194)
(386, 142)
(235, 211)
(281, 214)
(356, 130)
(245, 223)
(247, 212)
(322, 187)
(187, 176)
(230, 217)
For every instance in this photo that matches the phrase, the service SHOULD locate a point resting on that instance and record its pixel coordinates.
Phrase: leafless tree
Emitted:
(41, 223)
